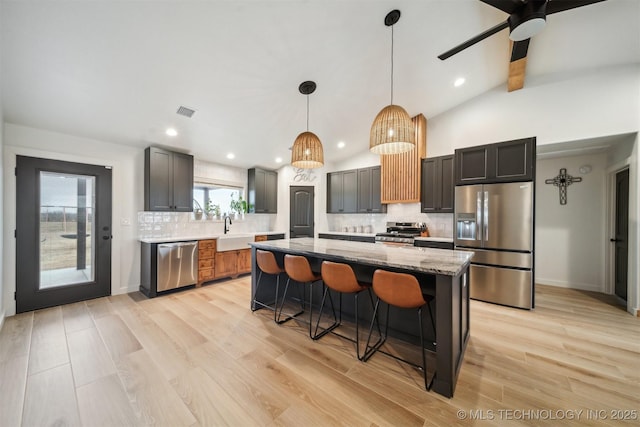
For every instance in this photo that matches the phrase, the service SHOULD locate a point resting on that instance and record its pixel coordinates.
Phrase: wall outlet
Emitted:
(125, 221)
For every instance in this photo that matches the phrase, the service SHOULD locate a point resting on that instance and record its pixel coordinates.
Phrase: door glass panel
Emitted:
(67, 228)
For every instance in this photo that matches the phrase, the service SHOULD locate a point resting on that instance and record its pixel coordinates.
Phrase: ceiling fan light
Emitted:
(392, 131)
(527, 29)
(307, 152)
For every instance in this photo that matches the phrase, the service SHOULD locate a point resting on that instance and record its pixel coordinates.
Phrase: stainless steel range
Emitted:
(402, 233)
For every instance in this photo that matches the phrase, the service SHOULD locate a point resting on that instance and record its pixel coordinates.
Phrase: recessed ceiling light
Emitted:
(341, 144)
(171, 132)
(231, 156)
(278, 159)
(459, 82)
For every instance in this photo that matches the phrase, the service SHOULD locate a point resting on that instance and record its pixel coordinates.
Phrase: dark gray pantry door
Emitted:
(301, 218)
(63, 232)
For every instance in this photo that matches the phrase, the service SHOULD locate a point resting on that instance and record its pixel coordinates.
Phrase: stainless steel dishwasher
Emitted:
(177, 265)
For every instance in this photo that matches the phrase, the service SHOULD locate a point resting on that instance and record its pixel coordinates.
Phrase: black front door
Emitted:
(301, 219)
(63, 232)
(621, 239)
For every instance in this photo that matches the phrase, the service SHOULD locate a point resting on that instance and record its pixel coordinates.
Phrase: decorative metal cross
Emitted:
(562, 181)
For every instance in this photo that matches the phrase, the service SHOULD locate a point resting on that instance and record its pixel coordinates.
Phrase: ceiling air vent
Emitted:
(184, 111)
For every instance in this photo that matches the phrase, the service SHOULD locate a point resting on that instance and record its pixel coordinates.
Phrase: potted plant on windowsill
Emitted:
(197, 210)
(238, 206)
(212, 211)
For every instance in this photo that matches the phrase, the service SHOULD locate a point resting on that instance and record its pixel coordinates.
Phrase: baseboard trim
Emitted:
(563, 284)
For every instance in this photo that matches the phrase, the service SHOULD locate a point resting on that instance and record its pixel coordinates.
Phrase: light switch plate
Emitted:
(125, 221)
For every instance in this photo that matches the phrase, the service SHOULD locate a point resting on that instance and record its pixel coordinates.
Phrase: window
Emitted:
(219, 195)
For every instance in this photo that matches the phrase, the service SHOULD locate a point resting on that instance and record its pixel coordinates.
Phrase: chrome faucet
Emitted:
(226, 227)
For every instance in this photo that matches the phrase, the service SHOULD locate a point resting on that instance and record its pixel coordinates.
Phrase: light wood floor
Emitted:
(201, 357)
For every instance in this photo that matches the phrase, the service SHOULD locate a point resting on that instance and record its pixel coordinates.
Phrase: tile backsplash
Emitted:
(440, 225)
(177, 224)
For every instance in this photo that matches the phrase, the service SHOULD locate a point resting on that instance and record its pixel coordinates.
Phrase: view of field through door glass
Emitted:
(67, 229)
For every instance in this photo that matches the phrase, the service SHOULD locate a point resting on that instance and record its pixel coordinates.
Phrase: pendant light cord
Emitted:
(307, 113)
(392, 65)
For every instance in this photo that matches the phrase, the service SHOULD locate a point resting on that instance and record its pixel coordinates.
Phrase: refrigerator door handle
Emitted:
(486, 216)
(478, 214)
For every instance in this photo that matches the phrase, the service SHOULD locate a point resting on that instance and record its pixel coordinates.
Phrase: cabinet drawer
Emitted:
(205, 253)
(206, 274)
(205, 263)
(261, 238)
(207, 244)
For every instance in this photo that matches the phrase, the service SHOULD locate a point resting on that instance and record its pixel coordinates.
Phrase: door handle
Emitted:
(106, 237)
(478, 235)
(615, 240)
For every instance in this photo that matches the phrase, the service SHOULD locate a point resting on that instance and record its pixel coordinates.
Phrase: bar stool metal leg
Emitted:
(278, 312)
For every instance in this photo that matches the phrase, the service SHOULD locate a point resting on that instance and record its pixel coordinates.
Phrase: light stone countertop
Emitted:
(425, 260)
(436, 239)
(348, 233)
(204, 237)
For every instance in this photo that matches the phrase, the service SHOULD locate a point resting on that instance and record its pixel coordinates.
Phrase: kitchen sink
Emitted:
(233, 242)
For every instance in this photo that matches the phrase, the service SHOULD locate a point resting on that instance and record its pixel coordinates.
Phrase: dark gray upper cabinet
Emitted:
(168, 180)
(437, 186)
(369, 191)
(342, 192)
(263, 191)
(501, 162)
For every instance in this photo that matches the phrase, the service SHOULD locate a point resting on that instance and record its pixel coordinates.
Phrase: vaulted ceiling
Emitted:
(117, 71)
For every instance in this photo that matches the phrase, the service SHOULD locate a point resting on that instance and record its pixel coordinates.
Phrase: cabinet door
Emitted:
(472, 165)
(376, 191)
(158, 183)
(244, 261)
(168, 181)
(364, 190)
(271, 192)
(334, 192)
(350, 191)
(226, 264)
(507, 161)
(182, 182)
(514, 160)
(447, 184)
(257, 190)
(429, 185)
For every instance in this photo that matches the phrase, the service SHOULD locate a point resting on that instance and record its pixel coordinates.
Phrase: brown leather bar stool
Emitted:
(403, 291)
(298, 269)
(268, 265)
(341, 278)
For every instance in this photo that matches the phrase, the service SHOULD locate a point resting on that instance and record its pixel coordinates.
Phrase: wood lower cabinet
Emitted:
(206, 261)
(244, 261)
(232, 263)
(226, 264)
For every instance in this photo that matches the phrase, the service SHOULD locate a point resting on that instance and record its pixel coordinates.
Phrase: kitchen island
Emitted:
(442, 273)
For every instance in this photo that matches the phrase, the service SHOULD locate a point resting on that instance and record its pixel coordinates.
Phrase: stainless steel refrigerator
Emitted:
(496, 222)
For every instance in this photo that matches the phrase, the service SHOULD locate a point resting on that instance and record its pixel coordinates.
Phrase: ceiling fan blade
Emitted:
(518, 65)
(508, 6)
(555, 6)
(491, 31)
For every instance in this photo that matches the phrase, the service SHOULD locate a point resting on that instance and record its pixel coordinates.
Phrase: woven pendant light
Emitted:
(392, 131)
(307, 152)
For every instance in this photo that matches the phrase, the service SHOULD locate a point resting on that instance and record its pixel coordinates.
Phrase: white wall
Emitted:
(571, 239)
(554, 109)
(127, 197)
(2, 286)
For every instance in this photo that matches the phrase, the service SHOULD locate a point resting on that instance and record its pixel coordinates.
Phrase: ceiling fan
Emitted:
(526, 19)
